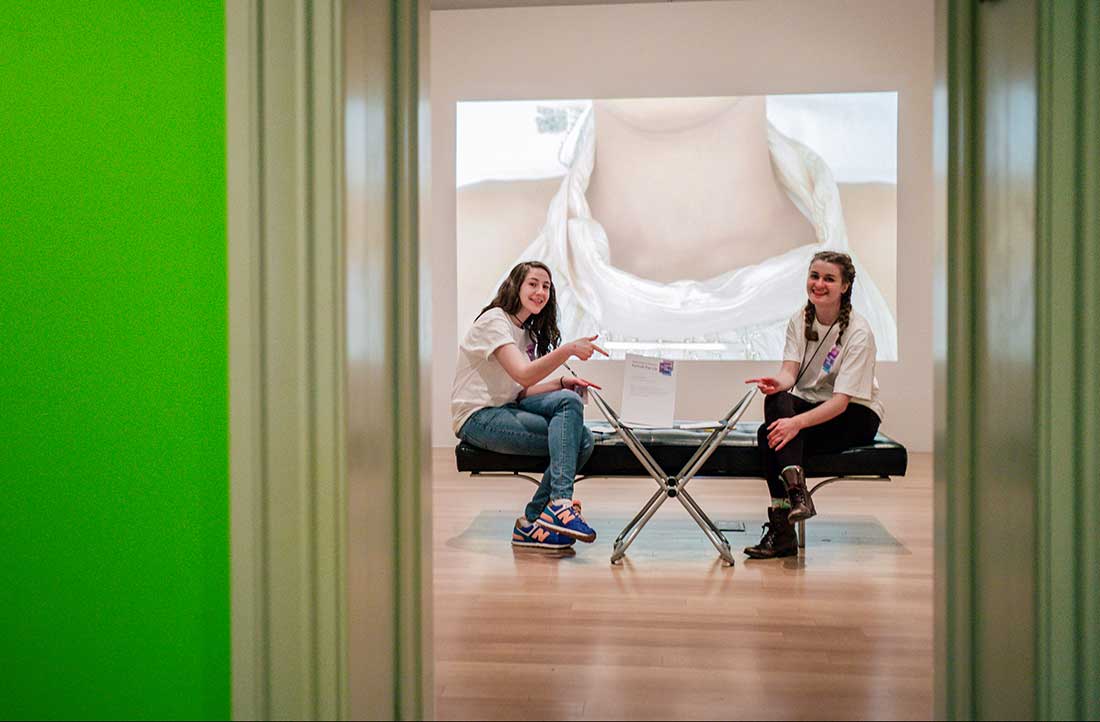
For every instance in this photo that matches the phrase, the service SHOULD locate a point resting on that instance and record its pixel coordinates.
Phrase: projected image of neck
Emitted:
(681, 227)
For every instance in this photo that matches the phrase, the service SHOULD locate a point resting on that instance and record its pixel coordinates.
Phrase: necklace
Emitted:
(806, 364)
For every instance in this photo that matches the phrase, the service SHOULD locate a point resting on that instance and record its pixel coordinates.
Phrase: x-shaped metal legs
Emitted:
(673, 486)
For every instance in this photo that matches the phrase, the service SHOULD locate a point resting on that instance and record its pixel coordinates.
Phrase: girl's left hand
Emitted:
(768, 385)
(781, 431)
(574, 383)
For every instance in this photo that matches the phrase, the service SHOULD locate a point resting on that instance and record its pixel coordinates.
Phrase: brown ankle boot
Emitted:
(802, 505)
(779, 539)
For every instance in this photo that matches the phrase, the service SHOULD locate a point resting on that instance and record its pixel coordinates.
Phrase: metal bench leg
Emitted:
(630, 532)
(513, 474)
(713, 533)
(818, 485)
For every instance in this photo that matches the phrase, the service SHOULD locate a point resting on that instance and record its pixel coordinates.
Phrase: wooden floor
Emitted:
(842, 632)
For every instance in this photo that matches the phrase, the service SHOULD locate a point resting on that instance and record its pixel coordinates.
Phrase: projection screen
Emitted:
(680, 227)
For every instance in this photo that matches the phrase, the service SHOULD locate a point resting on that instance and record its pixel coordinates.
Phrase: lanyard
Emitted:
(805, 364)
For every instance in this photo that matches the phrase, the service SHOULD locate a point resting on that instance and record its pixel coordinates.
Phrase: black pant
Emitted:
(857, 426)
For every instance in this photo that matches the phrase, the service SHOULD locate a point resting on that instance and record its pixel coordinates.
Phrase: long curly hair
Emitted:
(847, 275)
(542, 326)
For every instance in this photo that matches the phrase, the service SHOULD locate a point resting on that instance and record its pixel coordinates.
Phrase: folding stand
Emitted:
(673, 486)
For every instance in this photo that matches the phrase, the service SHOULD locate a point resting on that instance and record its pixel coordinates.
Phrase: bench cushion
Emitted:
(737, 456)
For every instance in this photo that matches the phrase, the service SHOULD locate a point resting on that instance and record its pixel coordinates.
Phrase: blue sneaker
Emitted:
(565, 518)
(532, 536)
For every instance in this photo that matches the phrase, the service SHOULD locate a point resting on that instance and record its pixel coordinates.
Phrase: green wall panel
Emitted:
(1069, 360)
(113, 361)
(1018, 488)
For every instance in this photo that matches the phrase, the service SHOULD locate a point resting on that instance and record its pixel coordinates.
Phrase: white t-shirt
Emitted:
(851, 369)
(480, 380)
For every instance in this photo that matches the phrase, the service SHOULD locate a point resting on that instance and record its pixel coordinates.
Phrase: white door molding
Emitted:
(286, 341)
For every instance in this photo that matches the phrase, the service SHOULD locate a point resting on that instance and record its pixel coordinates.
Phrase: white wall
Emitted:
(742, 47)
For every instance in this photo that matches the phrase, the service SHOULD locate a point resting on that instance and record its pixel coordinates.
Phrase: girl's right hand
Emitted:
(583, 348)
(768, 385)
(576, 383)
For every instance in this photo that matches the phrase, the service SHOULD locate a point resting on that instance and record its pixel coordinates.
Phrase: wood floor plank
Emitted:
(842, 632)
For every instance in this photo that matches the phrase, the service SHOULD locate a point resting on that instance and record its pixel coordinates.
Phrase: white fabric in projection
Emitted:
(738, 314)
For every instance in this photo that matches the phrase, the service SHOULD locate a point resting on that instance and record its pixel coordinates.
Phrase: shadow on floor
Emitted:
(674, 535)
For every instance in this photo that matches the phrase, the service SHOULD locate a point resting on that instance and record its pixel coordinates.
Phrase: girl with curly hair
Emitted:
(502, 400)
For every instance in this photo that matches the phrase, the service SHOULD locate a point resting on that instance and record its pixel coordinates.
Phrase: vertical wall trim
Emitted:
(288, 531)
(956, 421)
(1089, 431)
(1068, 259)
(941, 167)
(1056, 381)
(389, 520)
(426, 667)
(990, 435)
(1089, 232)
(413, 443)
(249, 652)
(1025, 616)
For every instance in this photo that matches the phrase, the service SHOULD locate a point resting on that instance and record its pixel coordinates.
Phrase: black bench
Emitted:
(737, 456)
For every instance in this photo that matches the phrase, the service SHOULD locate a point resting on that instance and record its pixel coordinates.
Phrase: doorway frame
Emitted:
(330, 533)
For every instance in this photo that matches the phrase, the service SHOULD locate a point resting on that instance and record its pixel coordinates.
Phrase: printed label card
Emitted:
(649, 391)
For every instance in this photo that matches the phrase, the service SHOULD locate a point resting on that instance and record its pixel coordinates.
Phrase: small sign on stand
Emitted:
(649, 391)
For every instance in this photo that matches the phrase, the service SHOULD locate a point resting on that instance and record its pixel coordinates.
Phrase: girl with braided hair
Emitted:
(502, 400)
(825, 398)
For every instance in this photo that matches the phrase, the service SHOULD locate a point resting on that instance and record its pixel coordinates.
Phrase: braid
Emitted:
(845, 314)
(810, 313)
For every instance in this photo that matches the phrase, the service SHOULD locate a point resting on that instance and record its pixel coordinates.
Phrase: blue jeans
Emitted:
(547, 424)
